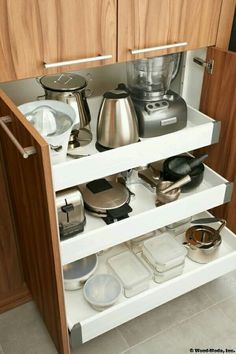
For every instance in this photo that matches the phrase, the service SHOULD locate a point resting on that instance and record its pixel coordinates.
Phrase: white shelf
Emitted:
(200, 131)
(213, 191)
(85, 323)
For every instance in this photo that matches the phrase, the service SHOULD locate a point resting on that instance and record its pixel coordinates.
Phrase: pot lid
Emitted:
(63, 82)
(101, 195)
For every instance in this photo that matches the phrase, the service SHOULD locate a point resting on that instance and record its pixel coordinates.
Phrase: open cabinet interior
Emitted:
(84, 322)
(109, 240)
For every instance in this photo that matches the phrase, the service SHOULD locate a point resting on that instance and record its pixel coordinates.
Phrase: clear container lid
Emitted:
(164, 249)
(179, 223)
(129, 269)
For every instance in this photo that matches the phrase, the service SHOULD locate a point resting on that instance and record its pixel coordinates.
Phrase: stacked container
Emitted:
(165, 256)
(131, 272)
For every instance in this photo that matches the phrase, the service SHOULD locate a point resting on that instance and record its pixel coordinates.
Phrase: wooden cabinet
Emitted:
(54, 32)
(32, 197)
(13, 290)
(146, 24)
(32, 192)
(36, 32)
(219, 101)
(57, 30)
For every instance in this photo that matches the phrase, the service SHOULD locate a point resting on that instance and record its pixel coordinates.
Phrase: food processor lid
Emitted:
(63, 82)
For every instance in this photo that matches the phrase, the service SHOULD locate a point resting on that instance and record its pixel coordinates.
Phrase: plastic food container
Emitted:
(132, 273)
(136, 244)
(161, 277)
(179, 227)
(164, 252)
(102, 291)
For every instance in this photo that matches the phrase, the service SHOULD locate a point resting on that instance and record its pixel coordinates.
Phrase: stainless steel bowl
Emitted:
(76, 273)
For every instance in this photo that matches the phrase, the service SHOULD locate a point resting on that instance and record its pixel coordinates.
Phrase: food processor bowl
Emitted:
(150, 78)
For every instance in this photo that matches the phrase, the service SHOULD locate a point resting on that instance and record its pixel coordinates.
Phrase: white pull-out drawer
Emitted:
(145, 217)
(85, 323)
(200, 131)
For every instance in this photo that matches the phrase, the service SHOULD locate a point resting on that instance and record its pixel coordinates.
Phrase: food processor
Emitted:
(159, 110)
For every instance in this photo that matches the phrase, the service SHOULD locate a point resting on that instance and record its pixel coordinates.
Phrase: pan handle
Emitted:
(205, 220)
(210, 220)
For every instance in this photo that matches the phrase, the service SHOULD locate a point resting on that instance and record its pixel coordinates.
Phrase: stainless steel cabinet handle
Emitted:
(151, 49)
(78, 61)
(25, 152)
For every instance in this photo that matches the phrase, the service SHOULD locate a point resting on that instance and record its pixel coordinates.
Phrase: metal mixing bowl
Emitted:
(76, 273)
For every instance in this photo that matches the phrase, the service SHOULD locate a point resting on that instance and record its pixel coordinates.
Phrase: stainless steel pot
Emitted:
(203, 241)
(71, 89)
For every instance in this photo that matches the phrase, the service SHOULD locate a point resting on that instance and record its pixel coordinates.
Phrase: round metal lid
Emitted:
(112, 195)
(63, 82)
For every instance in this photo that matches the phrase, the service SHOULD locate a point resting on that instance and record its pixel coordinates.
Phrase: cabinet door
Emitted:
(13, 290)
(35, 32)
(218, 100)
(32, 197)
(146, 24)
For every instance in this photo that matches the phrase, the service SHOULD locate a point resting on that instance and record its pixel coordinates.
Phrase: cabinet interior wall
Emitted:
(107, 77)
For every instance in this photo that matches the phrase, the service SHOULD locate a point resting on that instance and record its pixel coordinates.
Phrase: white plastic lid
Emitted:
(164, 249)
(129, 269)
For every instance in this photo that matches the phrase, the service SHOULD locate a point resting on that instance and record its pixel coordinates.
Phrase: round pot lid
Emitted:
(63, 82)
(101, 195)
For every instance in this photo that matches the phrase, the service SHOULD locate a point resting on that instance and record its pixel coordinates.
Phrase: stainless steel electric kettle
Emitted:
(117, 123)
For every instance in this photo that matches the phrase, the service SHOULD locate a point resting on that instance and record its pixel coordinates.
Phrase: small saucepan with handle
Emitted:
(203, 241)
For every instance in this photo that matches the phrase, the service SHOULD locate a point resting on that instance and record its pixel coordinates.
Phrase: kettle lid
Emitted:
(114, 94)
(120, 92)
(63, 82)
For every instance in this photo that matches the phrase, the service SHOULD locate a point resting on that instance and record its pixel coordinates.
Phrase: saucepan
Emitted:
(203, 241)
(179, 166)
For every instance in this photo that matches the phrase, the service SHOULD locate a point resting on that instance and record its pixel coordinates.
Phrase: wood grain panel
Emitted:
(33, 32)
(32, 197)
(218, 100)
(225, 24)
(13, 290)
(150, 23)
(11, 275)
(15, 298)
